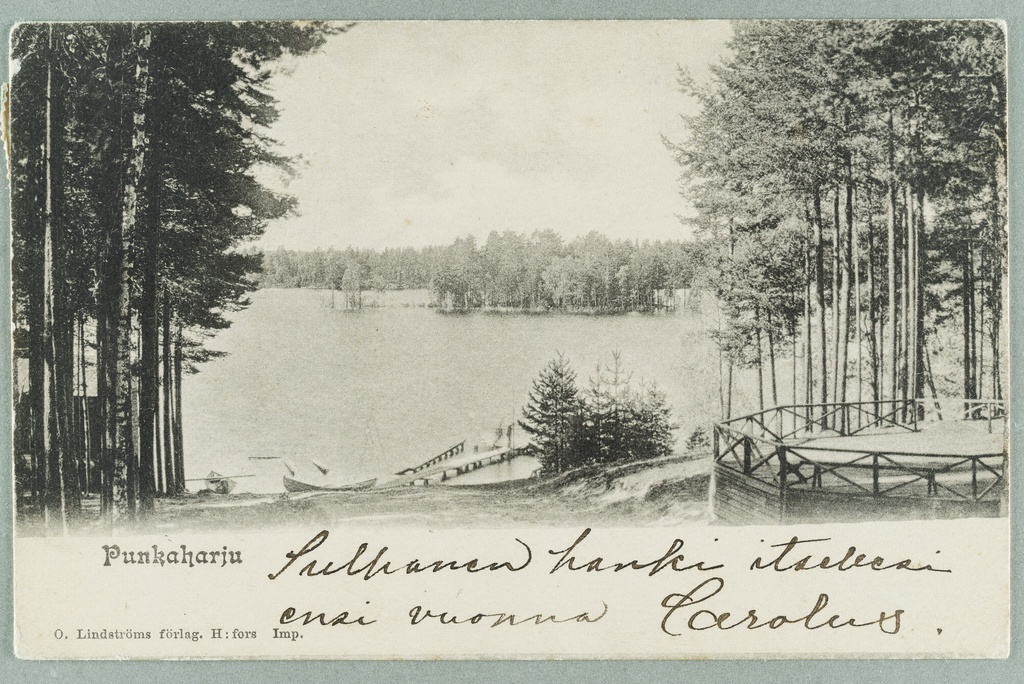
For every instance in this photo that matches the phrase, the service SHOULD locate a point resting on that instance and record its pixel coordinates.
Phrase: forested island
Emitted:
(510, 270)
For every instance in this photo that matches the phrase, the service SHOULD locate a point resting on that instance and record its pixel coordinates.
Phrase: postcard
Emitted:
(509, 339)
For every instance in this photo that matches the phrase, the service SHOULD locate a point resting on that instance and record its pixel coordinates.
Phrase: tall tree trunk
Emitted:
(64, 365)
(158, 455)
(819, 295)
(108, 285)
(808, 354)
(842, 362)
(980, 289)
(760, 365)
(149, 352)
(858, 342)
(890, 216)
(931, 378)
(54, 410)
(124, 448)
(721, 384)
(808, 350)
(996, 315)
(795, 396)
(77, 405)
(102, 393)
(877, 372)
(998, 248)
(728, 389)
(36, 313)
(85, 438)
(133, 389)
(837, 287)
(906, 301)
(912, 292)
(967, 299)
(919, 257)
(771, 359)
(179, 451)
(149, 365)
(170, 473)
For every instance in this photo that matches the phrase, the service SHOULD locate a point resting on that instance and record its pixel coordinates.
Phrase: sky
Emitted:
(415, 133)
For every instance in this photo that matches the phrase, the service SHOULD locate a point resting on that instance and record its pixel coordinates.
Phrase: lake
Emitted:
(366, 393)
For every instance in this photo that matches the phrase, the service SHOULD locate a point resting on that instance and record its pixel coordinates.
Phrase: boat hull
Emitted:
(291, 485)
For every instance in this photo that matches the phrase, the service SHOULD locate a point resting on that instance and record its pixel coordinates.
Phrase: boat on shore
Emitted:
(296, 486)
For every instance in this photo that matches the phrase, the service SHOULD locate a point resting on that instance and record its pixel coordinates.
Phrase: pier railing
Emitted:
(443, 456)
(771, 447)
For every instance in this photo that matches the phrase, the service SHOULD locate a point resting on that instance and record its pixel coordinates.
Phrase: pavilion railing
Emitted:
(770, 446)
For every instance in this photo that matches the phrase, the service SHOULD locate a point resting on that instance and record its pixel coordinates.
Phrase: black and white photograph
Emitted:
(501, 278)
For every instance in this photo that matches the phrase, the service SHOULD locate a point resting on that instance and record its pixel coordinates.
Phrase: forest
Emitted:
(133, 152)
(511, 270)
(850, 180)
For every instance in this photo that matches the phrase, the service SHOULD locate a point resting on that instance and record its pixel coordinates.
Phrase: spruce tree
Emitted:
(649, 427)
(551, 417)
(610, 423)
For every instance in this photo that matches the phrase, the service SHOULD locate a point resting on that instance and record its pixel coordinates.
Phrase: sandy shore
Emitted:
(662, 492)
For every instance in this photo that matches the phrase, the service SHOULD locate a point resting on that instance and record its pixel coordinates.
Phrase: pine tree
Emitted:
(132, 188)
(890, 130)
(552, 416)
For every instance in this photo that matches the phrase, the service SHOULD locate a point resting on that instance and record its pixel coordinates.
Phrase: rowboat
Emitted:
(291, 485)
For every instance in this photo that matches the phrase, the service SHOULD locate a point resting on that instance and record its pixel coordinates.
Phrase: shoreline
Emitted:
(660, 492)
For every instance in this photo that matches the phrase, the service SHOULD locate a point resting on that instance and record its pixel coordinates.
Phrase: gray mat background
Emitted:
(600, 672)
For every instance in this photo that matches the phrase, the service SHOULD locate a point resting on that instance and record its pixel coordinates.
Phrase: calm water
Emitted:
(370, 392)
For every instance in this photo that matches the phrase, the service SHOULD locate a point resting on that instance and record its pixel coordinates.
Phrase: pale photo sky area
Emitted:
(413, 134)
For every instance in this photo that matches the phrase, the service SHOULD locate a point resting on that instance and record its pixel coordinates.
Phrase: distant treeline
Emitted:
(510, 270)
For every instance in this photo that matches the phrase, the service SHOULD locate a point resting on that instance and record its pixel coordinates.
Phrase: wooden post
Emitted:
(746, 455)
(974, 478)
(783, 466)
(783, 475)
(874, 474)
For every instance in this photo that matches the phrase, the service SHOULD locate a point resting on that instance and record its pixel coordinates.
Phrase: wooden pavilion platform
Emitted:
(890, 460)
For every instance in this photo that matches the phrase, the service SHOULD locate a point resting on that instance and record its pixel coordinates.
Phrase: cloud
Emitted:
(414, 133)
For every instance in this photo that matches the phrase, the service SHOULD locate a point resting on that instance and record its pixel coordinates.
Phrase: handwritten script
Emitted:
(701, 606)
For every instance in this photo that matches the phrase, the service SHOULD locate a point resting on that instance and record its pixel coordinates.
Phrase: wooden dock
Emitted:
(451, 464)
(887, 460)
(444, 456)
